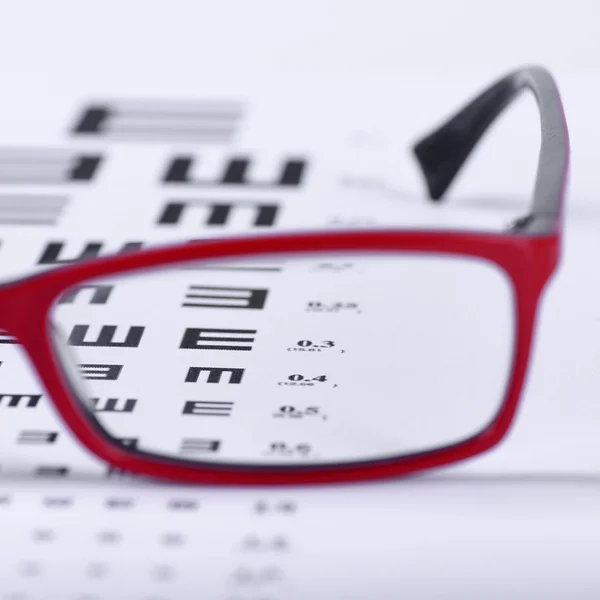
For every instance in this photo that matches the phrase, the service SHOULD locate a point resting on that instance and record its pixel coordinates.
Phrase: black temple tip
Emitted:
(440, 159)
(443, 152)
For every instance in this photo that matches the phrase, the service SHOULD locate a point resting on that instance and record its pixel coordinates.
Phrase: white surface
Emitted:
(391, 69)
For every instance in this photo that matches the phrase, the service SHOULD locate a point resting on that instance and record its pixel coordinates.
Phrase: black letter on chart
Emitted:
(105, 337)
(205, 339)
(214, 374)
(50, 255)
(224, 297)
(235, 173)
(219, 213)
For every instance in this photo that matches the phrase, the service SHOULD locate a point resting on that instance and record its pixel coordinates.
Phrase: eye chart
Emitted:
(118, 175)
(85, 175)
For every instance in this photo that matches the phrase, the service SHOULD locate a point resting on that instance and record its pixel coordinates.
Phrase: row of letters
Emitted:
(59, 167)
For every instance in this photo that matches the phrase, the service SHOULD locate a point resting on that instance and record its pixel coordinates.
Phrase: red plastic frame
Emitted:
(25, 306)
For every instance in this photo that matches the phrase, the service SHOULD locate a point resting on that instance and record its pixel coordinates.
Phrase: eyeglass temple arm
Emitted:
(442, 153)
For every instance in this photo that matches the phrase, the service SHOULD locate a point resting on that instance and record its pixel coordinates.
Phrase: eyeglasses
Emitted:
(309, 357)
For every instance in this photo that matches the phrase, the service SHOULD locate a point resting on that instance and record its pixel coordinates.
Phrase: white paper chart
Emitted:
(85, 174)
(84, 541)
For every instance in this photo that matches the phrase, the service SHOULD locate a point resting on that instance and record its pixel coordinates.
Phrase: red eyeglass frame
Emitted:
(528, 253)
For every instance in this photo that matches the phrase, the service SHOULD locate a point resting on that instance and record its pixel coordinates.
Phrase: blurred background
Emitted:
(265, 37)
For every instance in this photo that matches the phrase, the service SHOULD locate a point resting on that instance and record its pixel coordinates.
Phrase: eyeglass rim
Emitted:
(528, 252)
(529, 263)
